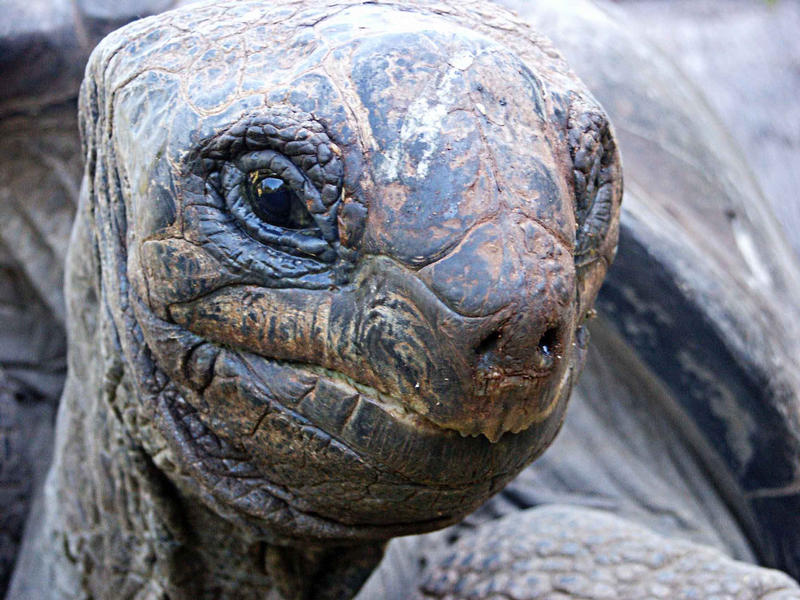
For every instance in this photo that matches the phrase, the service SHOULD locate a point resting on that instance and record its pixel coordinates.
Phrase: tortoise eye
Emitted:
(274, 202)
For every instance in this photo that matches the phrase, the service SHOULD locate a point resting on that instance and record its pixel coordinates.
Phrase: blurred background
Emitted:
(745, 57)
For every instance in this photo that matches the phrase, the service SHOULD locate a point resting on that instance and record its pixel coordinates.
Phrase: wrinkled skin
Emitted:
(536, 529)
(432, 290)
(371, 350)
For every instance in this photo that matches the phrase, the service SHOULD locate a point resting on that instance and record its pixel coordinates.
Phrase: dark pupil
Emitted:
(274, 203)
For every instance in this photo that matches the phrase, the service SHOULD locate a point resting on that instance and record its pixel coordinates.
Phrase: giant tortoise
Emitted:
(320, 294)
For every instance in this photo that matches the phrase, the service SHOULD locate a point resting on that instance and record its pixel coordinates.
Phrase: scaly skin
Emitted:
(146, 498)
(258, 391)
(560, 553)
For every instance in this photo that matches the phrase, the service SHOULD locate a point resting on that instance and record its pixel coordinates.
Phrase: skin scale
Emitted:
(434, 585)
(385, 377)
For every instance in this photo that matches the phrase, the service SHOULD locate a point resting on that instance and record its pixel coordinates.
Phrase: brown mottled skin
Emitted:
(376, 360)
(266, 386)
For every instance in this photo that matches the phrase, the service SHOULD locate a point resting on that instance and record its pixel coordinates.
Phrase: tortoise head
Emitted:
(348, 251)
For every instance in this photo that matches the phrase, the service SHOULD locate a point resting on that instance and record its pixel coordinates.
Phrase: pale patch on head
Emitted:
(425, 118)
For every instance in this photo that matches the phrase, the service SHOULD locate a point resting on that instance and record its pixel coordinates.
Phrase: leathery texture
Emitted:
(320, 294)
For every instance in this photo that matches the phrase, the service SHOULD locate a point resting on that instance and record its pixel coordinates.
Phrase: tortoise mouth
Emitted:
(361, 393)
(318, 408)
(405, 474)
(432, 374)
(336, 406)
(262, 506)
(298, 450)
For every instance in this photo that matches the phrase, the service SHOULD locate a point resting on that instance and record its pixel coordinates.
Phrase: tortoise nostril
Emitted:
(487, 346)
(518, 354)
(548, 342)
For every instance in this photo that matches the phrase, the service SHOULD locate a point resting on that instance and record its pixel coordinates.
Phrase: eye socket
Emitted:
(274, 202)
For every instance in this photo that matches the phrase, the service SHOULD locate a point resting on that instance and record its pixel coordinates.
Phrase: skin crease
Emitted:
(379, 370)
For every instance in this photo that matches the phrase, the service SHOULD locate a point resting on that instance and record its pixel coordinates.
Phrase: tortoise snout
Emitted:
(520, 366)
(519, 279)
(514, 283)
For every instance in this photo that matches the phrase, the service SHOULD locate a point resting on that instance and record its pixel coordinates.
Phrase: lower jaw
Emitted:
(436, 475)
(385, 434)
(265, 510)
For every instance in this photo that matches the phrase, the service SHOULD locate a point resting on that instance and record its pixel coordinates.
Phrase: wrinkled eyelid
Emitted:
(306, 145)
(296, 135)
(273, 163)
(267, 163)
